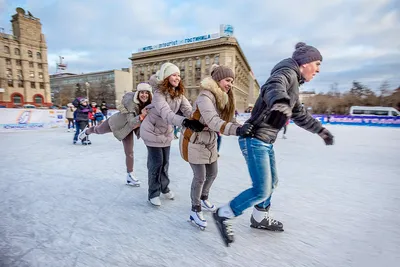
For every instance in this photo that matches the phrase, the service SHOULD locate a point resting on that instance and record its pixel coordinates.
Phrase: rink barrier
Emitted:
(345, 120)
(34, 119)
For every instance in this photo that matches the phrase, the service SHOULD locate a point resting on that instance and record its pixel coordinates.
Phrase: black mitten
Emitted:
(193, 125)
(327, 136)
(245, 130)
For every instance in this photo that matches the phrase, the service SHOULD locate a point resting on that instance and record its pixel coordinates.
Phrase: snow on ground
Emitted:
(66, 205)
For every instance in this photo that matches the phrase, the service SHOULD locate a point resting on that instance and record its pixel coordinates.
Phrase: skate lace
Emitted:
(270, 219)
(228, 227)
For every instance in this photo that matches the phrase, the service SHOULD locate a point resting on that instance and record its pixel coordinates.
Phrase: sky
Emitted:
(359, 39)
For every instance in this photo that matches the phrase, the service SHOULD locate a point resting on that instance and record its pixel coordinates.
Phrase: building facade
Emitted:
(24, 75)
(305, 95)
(108, 86)
(195, 60)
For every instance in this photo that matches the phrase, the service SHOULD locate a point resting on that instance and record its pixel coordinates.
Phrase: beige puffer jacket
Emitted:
(127, 119)
(156, 129)
(201, 147)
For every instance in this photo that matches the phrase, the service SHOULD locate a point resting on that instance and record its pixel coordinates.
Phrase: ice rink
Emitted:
(67, 205)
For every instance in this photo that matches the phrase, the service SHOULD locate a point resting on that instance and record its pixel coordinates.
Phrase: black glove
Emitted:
(193, 125)
(280, 113)
(245, 130)
(327, 136)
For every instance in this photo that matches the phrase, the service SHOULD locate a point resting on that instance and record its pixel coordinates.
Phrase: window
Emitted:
(40, 75)
(17, 52)
(19, 62)
(216, 60)
(394, 113)
(41, 85)
(30, 53)
(9, 73)
(40, 65)
(6, 50)
(38, 55)
(33, 85)
(17, 99)
(8, 61)
(32, 74)
(20, 83)
(198, 63)
(38, 99)
(207, 60)
(30, 64)
(10, 83)
(19, 74)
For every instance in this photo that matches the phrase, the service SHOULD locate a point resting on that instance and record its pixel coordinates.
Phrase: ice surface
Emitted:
(66, 205)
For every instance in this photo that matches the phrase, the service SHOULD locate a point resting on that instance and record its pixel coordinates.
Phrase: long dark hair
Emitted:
(142, 105)
(166, 87)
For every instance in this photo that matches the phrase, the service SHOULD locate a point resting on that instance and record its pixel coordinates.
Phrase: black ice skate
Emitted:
(224, 227)
(261, 219)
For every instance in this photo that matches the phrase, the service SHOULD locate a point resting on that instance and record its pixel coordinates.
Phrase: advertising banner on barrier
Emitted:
(344, 120)
(25, 119)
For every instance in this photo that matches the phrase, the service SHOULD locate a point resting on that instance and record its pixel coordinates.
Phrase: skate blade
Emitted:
(132, 184)
(193, 223)
(266, 229)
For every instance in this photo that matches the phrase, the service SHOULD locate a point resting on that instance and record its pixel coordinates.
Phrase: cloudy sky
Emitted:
(359, 39)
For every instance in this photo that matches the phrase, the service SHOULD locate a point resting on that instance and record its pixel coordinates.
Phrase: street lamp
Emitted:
(87, 85)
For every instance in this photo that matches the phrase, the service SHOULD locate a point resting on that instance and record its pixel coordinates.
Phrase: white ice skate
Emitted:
(207, 205)
(197, 218)
(131, 180)
(155, 201)
(69, 130)
(82, 135)
(170, 195)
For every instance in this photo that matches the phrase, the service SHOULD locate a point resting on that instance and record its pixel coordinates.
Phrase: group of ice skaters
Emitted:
(151, 112)
(80, 114)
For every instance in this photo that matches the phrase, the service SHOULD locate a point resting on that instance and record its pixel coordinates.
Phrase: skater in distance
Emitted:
(277, 103)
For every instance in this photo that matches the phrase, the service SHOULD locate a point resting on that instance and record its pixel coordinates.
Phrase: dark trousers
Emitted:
(157, 166)
(80, 125)
(71, 123)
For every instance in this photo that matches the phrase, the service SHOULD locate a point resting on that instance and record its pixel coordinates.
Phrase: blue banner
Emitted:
(359, 120)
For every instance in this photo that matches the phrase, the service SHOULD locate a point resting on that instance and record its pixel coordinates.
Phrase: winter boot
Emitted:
(222, 218)
(155, 201)
(207, 205)
(197, 218)
(131, 180)
(261, 219)
(170, 195)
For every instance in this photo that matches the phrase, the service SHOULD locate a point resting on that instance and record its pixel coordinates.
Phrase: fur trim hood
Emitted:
(221, 97)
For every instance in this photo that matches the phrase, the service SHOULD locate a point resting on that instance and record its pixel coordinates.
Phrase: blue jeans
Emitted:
(260, 159)
(219, 139)
(79, 126)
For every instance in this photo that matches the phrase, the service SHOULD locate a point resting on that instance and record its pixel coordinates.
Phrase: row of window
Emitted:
(20, 84)
(17, 99)
(18, 62)
(91, 79)
(18, 52)
(181, 64)
(20, 76)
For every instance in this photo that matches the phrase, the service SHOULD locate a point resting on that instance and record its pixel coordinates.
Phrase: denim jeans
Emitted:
(260, 159)
(79, 126)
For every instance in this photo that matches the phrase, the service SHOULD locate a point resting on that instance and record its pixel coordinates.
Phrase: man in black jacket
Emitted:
(277, 103)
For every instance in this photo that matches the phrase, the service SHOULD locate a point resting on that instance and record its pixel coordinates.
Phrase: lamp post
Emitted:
(87, 85)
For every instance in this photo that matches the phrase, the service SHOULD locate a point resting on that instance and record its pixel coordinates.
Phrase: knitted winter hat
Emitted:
(305, 54)
(221, 72)
(166, 70)
(142, 87)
